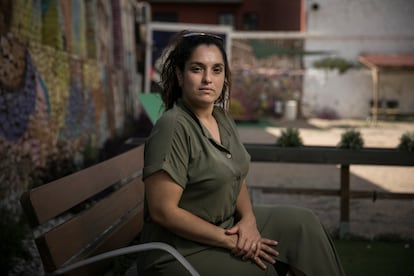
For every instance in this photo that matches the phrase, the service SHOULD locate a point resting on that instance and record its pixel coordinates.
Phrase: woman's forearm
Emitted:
(163, 196)
(189, 226)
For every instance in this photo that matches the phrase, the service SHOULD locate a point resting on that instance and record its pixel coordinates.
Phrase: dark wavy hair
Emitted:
(177, 53)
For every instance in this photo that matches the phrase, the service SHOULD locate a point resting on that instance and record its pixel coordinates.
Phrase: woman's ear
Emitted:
(179, 75)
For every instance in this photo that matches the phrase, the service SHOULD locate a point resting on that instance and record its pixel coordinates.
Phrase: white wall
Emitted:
(347, 28)
(353, 17)
(329, 90)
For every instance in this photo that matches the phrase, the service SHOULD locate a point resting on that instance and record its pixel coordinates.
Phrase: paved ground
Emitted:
(370, 219)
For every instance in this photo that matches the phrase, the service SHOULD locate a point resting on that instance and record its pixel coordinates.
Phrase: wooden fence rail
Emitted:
(334, 156)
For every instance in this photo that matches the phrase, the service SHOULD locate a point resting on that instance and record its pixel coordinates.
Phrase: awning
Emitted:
(383, 62)
(402, 61)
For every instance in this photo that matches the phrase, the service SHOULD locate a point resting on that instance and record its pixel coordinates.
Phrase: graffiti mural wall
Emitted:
(64, 84)
(267, 72)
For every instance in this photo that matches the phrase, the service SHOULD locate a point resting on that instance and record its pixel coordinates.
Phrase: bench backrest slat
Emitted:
(105, 204)
(66, 192)
(78, 232)
(117, 239)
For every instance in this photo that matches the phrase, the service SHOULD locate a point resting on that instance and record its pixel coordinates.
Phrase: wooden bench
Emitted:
(81, 221)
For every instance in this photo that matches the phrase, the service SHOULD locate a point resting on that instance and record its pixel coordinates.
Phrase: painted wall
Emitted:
(347, 29)
(67, 82)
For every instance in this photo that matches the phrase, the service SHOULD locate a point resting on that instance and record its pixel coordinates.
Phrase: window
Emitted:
(227, 19)
(165, 17)
(250, 21)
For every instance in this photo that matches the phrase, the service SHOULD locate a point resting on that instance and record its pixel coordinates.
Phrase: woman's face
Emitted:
(203, 77)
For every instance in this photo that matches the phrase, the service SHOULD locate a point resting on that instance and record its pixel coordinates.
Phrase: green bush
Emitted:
(332, 63)
(407, 141)
(351, 139)
(289, 137)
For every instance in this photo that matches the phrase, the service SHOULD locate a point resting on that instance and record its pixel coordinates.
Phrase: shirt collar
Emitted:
(218, 113)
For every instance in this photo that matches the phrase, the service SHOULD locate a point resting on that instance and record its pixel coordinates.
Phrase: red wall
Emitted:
(274, 15)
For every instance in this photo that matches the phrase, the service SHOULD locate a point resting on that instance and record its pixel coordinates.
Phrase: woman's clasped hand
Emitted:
(248, 244)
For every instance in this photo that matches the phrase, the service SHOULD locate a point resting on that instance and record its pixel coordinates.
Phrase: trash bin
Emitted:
(291, 110)
(278, 108)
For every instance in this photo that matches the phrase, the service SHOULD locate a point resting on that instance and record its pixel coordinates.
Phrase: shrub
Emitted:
(407, 141)
(351, 139)
(289, 137)
(332, 63)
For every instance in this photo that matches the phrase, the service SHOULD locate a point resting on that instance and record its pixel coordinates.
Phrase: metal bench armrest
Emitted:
(129, 250)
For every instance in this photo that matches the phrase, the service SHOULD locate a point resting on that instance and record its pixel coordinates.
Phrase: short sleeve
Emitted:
(167, 149)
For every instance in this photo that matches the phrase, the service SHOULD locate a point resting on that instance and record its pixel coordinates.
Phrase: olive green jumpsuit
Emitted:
(211, 175)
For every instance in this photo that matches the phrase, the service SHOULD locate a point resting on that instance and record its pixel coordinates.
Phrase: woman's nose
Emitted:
(207, 76)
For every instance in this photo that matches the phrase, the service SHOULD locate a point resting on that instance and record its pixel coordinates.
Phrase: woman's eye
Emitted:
(196, 69)
(218, 70)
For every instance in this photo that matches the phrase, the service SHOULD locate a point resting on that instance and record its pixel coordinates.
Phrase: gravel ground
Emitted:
(382, 218)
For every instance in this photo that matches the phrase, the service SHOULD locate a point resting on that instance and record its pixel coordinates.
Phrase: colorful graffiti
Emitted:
(60, 90)
(266, 73)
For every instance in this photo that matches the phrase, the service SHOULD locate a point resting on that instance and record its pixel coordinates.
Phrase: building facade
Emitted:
(247, 15)
(348, 29)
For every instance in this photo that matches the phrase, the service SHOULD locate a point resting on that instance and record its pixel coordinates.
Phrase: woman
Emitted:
(196, 194)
